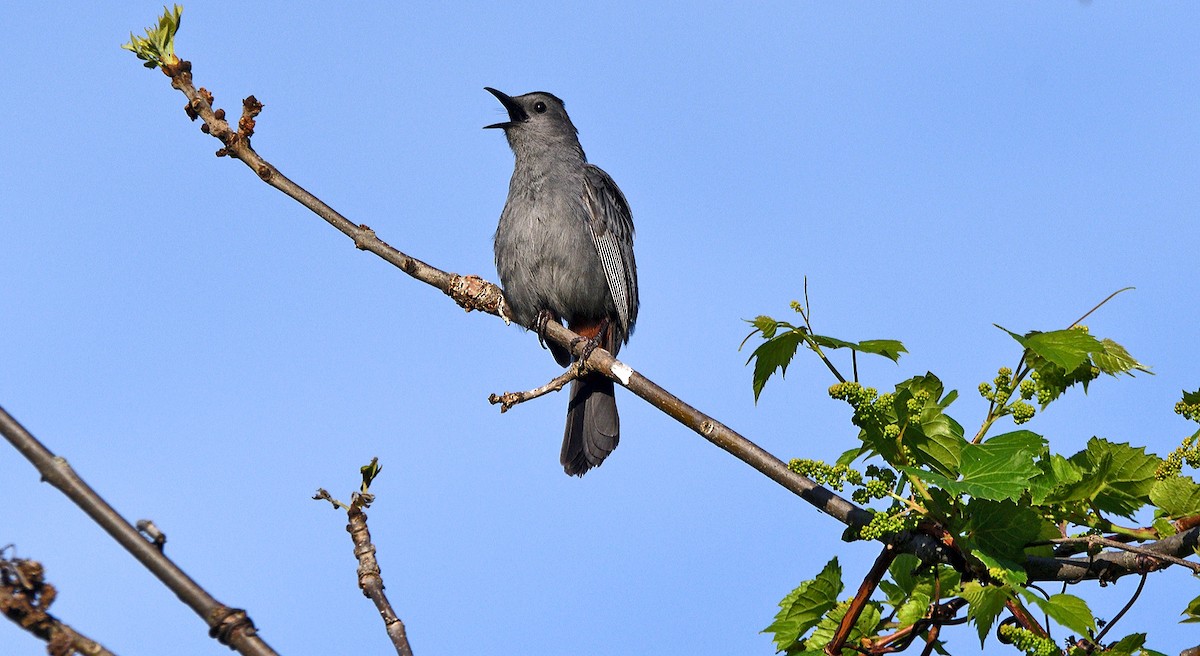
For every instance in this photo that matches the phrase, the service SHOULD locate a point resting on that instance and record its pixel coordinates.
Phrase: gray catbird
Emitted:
(564, 251)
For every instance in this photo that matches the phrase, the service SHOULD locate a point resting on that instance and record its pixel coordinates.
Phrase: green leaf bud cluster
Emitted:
(1188, 452)
(1001, 389)
(834, 476)
(887, 523)
(871, 409)
(1189, 411)
(875, 484)
(1027, 641)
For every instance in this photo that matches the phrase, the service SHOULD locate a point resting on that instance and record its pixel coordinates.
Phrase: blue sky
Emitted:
(206, 353)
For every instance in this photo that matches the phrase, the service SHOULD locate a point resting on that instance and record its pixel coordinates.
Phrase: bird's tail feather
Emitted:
(593, 427)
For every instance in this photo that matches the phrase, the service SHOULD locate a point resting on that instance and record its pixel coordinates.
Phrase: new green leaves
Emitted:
(1115, 478)
(158, 46)
(782, 339)
(804, 607)
(999, 469)
(1062, 358)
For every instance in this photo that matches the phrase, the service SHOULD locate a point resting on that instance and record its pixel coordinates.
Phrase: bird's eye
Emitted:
(539, 107)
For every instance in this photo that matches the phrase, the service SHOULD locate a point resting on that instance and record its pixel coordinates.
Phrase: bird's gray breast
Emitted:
(545, 253)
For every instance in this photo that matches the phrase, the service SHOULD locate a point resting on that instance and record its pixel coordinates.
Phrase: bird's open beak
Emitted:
(516, 113)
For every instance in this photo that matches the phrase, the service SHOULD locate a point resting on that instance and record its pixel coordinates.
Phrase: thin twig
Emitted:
(938, 615)
(1027, 621)
(1124, 609)
(509, 399)
(370, 577)
(1143, 551)
(859, 602)
(931, 639)
(1098, 306)
(230, 626)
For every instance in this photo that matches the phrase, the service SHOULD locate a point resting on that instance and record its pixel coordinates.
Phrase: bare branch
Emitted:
(25, 598)
(1096, 540)
(230, 626)
(1111, 565)
(509, 399)
(472, 293)
(370, 577)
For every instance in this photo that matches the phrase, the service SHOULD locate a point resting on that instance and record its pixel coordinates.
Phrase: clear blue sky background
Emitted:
(206, 353)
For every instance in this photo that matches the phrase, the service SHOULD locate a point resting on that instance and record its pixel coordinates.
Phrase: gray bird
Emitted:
(564, 252)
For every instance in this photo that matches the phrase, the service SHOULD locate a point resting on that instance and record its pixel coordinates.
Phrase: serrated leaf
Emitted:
(1003, 570)
(1067, 349)
(1056, 472)
(1117, 478)
(1177, 496)
(935, 439)
(1113, 359)
(1000, 529)
(1127, 646)
(1068, 611)
(913, 609)
(1191, 398)
(1054, 380)
(996, 472)
(765, 325)
(803, 608)
(901, 571)
(866, 625)
(850, 455)
(773, 354)
(984, 604)
(1164, 527)
(888, 348)
(1191, 614)
(825, 341)
(1018, 440)
(892, 592)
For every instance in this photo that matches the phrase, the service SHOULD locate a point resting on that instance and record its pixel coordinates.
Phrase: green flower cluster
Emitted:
(1189, 411)
(1028, 642)
(834, 476)
(873, 410)
(1188, 452)
(879, 483)
(1000, 390)
(887, 523)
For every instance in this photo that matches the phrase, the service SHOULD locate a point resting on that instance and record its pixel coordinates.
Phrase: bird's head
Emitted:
(536, 117)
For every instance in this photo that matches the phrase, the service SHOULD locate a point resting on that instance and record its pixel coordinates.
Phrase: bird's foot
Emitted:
(539, 325)
(592, 343)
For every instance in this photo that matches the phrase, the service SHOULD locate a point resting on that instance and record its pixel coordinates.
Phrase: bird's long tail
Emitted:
(593, 427)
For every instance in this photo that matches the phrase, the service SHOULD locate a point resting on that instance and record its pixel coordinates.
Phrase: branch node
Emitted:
(228, 622)
(250, 109)
(475, 293)
(365, 234)
(152, 533)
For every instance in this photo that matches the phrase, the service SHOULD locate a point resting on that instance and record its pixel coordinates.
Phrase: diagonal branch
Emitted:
(230, 626)
(472, 293)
